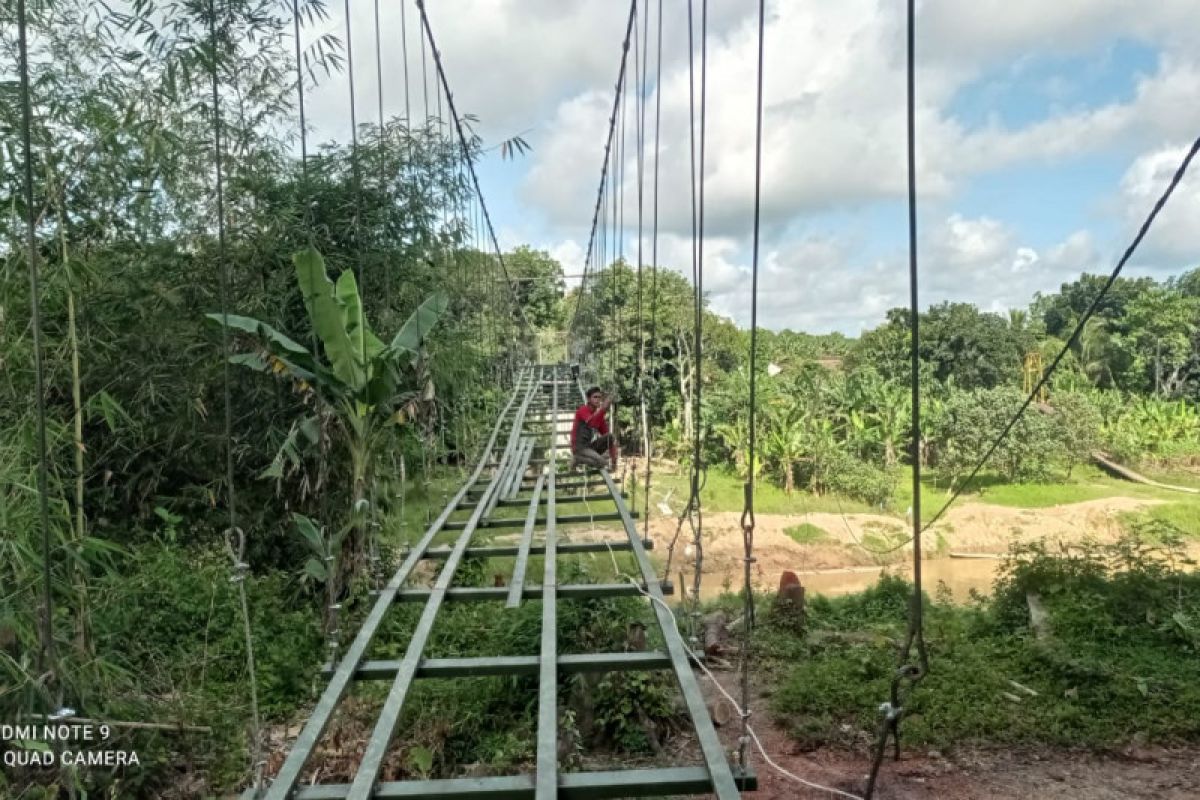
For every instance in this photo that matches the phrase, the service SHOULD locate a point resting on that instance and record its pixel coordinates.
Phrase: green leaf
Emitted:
(421, 759)
(254, 361)
(412, 335)
(251, 325)
(366, 345)
(311, 533)
(328, 318)
(316, 570)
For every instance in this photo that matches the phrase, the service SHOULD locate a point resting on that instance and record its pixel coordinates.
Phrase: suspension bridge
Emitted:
(521, 476)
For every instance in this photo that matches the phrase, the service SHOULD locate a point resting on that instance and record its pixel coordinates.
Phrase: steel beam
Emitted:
(502, 551)
(518, 577)
(546, 778)
(515, 665)
(660, 782)
(570, 591)
(569, 519)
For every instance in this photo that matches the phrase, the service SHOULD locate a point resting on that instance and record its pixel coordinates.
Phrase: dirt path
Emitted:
(862, 542)
(966, 773)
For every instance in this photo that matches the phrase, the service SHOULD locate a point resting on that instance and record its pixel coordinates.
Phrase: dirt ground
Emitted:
(862, 542)
(966, 773)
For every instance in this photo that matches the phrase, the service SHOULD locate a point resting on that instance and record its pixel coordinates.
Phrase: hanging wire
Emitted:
(354, 167)
(300, 95)
(48, 659)
(466, 150)
(693, 510)
(908, 673)
(233, 532)
(654, 258)
(404, 54)
(424, 71)
(1180, 171)
(591, 255)
(748, 508)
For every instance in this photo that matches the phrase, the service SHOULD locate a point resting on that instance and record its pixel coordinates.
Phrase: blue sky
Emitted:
(1044, 135)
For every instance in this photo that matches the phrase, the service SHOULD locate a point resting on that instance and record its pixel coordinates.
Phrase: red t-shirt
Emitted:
(593, 418)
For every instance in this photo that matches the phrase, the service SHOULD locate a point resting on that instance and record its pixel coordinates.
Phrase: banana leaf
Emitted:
(328, 316)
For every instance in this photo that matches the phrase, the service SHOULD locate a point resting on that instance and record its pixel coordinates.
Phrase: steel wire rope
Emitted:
(300, 98)
(1144, 229)
(641, 67)
(747, 520)
(693, 510)
(590, 251)
(47, 655)
(466, 150)
(654, 256)
(356, 173)
(893, 709)
(233, 533)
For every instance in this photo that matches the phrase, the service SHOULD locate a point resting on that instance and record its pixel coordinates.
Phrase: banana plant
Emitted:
(369, 385)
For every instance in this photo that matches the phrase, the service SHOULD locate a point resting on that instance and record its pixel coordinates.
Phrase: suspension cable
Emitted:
(642, 68)
(300, 95)
(404, 55)
(589, 258)
(1180, 171)
(48, 660)
(748, 508)
(233, 533)
(355, 173)
(694, 502)
(383, 181)
(893, 709)
(466, 150)
(654, 254)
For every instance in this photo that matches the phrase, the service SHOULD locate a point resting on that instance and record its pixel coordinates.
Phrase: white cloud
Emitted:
(1174, 240)
(833, 139)
(834, 117)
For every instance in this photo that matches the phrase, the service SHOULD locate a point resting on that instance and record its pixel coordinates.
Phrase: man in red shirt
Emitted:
(589, 433)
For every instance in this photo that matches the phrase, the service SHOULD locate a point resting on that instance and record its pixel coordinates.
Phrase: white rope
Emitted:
(762, 750)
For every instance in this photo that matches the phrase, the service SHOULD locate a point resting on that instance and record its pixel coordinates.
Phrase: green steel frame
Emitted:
(503, 487)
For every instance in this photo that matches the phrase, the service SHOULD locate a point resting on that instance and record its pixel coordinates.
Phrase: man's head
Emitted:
(595, 397)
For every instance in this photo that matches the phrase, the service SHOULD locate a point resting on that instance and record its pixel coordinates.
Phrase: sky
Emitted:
(1045, 132)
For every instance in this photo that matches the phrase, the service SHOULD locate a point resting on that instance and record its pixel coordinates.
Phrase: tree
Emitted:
(978, 349)
(539, 284)
(360, 379)
(1162, 325)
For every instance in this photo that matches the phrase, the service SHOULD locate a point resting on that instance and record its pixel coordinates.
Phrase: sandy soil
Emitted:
(862, 542)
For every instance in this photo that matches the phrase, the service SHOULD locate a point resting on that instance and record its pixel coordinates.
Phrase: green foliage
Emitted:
(806, 533)
(1120, 660)
(973, 422)
(624, 700)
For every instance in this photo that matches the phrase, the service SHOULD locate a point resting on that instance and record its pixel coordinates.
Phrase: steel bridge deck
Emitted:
(535, 409)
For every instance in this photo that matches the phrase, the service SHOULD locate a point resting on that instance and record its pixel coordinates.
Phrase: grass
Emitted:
(1183, 516)
(1111, 670)
(723, 491)
(806, 533)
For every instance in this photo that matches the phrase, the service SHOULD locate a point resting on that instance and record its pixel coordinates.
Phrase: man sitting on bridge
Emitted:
(589, 433)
